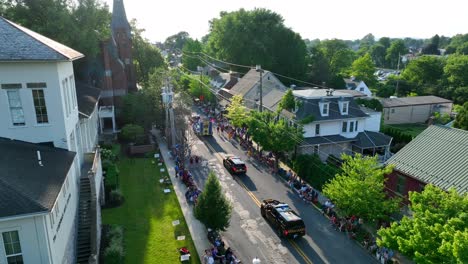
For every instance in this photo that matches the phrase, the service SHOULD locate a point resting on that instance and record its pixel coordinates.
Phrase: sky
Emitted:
(322, 19)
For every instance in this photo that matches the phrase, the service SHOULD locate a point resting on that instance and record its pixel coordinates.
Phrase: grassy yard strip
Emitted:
(147, 215)
(411, 129)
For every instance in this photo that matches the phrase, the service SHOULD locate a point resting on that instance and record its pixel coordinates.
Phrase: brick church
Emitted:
(119, 72)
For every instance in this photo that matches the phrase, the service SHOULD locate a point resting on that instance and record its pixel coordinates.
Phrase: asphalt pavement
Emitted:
(249, 234)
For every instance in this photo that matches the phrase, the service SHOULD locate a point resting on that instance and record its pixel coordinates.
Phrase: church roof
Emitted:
(119, 18)
(21, 44)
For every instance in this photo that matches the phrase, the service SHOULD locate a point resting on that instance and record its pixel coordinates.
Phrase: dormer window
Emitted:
(344, 107)
(324, 108)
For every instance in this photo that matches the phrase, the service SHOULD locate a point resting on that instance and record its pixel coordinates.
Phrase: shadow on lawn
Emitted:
(147, 215)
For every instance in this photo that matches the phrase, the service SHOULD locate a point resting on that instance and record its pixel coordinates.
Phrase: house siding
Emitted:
(59, 126)
(411, 184)
(414, 113)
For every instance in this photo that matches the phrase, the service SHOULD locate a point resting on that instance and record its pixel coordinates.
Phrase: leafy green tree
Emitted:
(385, 90)
(456, 70)
(237, 113)
(432, 47)
(360, 189)
(312, 169)
(363, 69)
(272, 133)
(213, 208)
(338, 55)
(396, 49)
(190, 54)
(437, 231)
(425, 74)
(456, 42)
(318, 66)
(378, 53)
(199, 88)
(176, 41)
(133, 133)
(461, 120)
(256, 37)
(287, 102)
(145, 55)
(144, 107)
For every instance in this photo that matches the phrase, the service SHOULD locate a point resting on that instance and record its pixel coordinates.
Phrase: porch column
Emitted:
(113, 123)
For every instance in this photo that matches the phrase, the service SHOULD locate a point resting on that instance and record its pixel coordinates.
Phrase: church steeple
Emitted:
(119, 18)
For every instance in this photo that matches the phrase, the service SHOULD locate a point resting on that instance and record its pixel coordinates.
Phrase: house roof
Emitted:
(87, 97)
(370, 139)
(21, 44)
(246, 83)
(354, 93)
(438, 155)
(271, 100)
(25, 186)
(352, 83)
(314, 93)
(311, 107)
(332, 139)
(413, 100)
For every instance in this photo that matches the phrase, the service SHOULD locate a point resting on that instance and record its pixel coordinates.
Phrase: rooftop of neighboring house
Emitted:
(247, 82)
(21, 44)
(414, 100)
(438, 156)
(272, 99)
(316, 93)
(87, 97)
(363, 140)
(351, 82)
(354, 93)
(312, 98)
(26, 187)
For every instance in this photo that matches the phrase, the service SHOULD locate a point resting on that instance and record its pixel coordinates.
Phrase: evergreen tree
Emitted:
(213, 209)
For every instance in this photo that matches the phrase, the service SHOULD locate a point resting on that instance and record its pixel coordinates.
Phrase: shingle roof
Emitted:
(87, 97)
(439, 155)
(25, 186)
(311, 107)
(354, 93)
(370, 139)
(246, 83)
(413, 100)
(333, 139)
(272, 99)
(21, 44)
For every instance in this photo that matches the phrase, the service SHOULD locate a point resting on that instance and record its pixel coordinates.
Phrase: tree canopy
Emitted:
(437, 231)
(287, 102)
(425, 74)
(237, 113)
(190, 58)
(363, 69)
(213, 209)
(257, 37)
(359, 188)
(273, 133)
(396, 49)
(461, 120)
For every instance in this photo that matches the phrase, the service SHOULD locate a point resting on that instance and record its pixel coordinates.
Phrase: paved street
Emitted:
(249, 234)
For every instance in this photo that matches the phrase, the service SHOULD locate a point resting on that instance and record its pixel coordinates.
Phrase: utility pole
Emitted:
(398, 72)
(168, 96)
(258, 68)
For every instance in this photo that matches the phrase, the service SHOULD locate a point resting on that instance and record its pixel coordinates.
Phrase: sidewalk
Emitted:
(196, 228)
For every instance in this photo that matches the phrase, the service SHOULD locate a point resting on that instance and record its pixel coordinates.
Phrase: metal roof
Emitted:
(439, 155)
(21, 44)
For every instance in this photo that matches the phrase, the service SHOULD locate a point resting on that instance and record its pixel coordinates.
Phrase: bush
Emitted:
(133, 133)
(114, 252)
(115, 198)
(112, 173)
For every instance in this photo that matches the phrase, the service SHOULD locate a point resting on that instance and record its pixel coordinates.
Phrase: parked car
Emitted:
(234, 165)
(285, 220)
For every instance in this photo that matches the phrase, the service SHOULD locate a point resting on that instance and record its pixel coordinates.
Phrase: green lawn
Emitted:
(147, 216)
(411, 129)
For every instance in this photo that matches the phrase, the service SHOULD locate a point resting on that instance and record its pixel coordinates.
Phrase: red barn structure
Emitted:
(438, 156)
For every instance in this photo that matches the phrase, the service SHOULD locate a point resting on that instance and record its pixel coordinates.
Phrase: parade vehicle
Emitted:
(234, 165)
(201, 126)
(284, 220)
